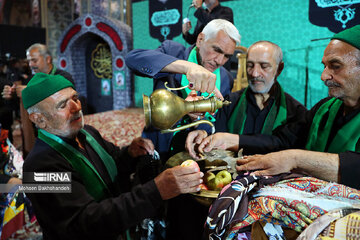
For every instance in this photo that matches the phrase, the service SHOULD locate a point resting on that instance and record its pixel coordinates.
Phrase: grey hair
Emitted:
(357, 56)
(213, 27)
(43, 50)
(278, 52)
(37, 109)
(34, 109)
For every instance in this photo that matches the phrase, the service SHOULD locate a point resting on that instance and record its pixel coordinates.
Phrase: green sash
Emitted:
(275, 118)
(53, 70)
(94, 184)
(346, 139)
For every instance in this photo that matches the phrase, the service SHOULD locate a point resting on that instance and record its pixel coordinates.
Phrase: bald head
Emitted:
(263, 65)
(272, 47)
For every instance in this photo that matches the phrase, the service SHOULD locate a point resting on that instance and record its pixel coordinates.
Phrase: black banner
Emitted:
(336, 15)
(165, 19)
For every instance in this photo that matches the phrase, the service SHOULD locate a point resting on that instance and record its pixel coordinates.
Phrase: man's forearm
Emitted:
(178, 66)
(318, 164)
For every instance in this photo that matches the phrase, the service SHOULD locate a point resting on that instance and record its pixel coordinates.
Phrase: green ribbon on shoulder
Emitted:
(184, 82)
(53, 70)
(275, 118)
(346, 139)
(94, 183)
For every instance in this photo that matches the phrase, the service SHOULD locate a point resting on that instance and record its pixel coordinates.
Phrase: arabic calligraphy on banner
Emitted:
(101, 62)
(337, 15)
(165, 19)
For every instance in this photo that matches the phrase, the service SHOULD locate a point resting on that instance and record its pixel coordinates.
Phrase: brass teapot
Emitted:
(163, 109)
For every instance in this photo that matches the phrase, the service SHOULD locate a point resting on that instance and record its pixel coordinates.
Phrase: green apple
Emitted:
(211, 184)
(222, 179)
(208, 176)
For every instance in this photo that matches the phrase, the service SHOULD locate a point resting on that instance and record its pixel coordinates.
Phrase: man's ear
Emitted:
(48, 59)
(280, 68)
(38, 119)
(200, 39)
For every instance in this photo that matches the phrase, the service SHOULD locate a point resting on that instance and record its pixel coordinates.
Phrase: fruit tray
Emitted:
(213, 161)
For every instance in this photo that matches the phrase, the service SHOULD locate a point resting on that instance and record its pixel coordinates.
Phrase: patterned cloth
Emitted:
(337, 224)
(226, 208)
(293, 203)
(343, 228)
(119, 126)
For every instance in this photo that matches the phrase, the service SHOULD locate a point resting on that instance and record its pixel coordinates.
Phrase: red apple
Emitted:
(191, 163)
(203, 186)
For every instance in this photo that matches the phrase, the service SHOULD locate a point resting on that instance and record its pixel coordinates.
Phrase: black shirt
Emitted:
(256, 117)
(295, 135)
(204, 17)
(77, 215)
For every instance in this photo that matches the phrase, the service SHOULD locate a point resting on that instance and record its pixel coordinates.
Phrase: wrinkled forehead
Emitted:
(33, 53)
(338, 49)
(261, 53)
(339, 46)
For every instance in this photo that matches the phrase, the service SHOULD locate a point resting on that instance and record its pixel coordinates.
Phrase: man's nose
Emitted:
(325, 75)
(75, 105)
(220, 59)
(255, 71)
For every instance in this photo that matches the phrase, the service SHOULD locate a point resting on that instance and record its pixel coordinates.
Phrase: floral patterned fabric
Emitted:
(298, 202)
(293, 203)
(119, 126)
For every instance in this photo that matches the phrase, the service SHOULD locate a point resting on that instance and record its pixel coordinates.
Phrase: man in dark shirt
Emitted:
(329, 131)
(213, 11)
(98, 206)
(260, 108)
(263, 106)
(40, 60)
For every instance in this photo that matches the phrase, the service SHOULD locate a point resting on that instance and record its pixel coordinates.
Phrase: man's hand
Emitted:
(317, 164)
(193, 139)
(206, 143)
(197, 3)
(8, 91)
(19, 89)
(220, 140)
(200, 79)
(186, 27)
(203, 80)
(268, 164)
(177, 180)
(140, 147)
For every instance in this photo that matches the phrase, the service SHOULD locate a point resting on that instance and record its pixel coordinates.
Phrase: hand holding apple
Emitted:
(191, 163)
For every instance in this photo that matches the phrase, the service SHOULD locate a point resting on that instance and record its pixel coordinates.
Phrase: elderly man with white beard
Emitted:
(100, 204)
(263, 106)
